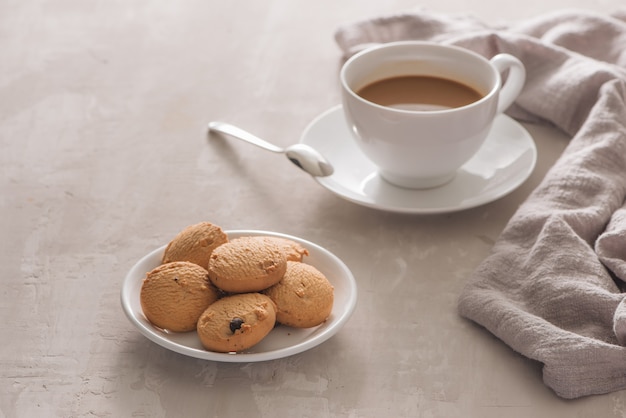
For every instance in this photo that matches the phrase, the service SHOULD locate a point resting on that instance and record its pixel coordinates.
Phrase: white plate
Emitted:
(282, 341)
(504, 162)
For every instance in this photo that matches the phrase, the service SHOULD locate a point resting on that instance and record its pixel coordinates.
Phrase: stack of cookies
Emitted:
(233, 292)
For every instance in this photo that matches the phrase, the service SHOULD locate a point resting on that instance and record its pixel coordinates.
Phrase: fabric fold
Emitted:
(549, 288)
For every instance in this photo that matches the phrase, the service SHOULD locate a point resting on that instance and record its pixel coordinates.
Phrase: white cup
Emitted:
(425, 148)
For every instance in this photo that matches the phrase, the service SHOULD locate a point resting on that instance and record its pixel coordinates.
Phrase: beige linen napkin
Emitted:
(550, 287)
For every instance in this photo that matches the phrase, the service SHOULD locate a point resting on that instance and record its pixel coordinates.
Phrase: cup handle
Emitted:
(514, 83)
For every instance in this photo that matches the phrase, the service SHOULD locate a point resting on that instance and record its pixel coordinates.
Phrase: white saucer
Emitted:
(282, 341)
(504, 162)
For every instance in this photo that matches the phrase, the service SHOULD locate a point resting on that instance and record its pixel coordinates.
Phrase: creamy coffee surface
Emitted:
(416, 92)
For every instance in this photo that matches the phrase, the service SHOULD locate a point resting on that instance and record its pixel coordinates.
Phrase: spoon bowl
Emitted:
(302, 155)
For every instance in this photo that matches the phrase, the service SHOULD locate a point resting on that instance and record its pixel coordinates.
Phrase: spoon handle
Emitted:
(235, 132)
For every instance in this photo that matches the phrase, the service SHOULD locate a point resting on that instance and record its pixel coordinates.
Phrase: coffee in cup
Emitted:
(420, 110)
(419, 92)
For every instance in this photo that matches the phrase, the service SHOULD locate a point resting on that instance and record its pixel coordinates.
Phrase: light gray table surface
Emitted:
(104, 157)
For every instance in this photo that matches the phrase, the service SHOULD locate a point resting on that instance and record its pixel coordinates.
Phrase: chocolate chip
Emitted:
(235, 324)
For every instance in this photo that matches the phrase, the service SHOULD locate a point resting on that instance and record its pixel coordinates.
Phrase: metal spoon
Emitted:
(302, 155)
